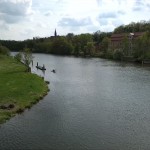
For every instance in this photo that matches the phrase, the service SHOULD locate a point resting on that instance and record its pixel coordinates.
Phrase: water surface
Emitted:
(93, 104)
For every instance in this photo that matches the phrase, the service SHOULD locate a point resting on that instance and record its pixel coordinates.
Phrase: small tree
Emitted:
(18, 57)
(125, 45)
(77, 49)
(105, 46)
(90, 47)
(142, 47)
(27, 57)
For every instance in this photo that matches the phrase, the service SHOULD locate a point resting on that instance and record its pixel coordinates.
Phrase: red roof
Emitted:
(119, 37)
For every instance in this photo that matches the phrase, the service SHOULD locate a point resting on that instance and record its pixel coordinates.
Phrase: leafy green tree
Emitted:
(70, 37)
(18, 56)
(141, 26)
(42, 47)
(142, 47)
(77, 45)
(125, 45)
(77, 49)
(27, 57)
(105, 44)
(84, 39)
(90, 48)
(61, 46)
(96, 36)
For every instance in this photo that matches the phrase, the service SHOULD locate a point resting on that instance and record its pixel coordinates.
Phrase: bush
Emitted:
(109, 54)
(147, 55)
(118, 54)
(4, 50)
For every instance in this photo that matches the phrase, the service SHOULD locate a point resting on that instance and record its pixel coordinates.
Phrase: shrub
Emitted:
(118, 54)
(4, 50)
(109, 54)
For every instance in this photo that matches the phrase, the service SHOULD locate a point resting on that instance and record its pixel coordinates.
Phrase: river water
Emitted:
(92, 104)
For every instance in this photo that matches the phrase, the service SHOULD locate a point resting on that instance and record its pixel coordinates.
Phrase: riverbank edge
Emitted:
(123, 59)
(33, 101)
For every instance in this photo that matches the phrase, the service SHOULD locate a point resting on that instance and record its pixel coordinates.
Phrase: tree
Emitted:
(90, 47)
(141, 26)
(125, 45)
(105, 44)
(96, 36)
(84, 39)
(18, 57)
(142, 47)
(77, 49)
(27, 57)
(70, 36)
(61, 46)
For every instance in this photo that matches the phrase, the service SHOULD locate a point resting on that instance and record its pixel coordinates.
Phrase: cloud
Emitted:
(103, 21)
(14, 10)
(9, 19)
(99, 2)
(148, 6)
(138, 5)
(120, 12)
(41, 25)
(27, 32)
(117, 22)
(75, 22)
(4, 26)
(110, 20)
(78, 16)
(104, 18)
(108, 15)
(118, 2)
(48, 13)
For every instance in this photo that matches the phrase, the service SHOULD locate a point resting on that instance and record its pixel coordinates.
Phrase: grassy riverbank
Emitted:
(18, 88)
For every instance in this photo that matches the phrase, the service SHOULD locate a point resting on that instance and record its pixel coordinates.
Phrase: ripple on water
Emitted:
(93, 104)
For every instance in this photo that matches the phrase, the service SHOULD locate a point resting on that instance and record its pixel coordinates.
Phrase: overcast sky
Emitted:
(24, 19)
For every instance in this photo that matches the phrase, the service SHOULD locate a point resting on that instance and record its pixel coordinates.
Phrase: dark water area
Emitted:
(93, 104)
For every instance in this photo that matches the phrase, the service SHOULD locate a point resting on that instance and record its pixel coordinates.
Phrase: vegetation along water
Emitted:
(126, 42)
(19, 89)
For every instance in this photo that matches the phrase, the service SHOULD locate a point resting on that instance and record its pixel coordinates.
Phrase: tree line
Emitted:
(97, 44)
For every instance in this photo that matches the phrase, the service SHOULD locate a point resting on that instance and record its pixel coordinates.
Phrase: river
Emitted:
(92, 104)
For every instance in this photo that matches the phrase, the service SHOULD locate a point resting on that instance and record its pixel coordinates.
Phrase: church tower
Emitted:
(55, 33)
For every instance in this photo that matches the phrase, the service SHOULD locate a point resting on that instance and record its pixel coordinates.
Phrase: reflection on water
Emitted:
(93, 104)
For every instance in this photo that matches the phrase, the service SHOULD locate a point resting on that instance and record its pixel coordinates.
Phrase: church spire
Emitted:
(55, 33)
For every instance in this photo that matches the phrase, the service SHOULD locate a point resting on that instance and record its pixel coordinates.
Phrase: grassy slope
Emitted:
(18, 87)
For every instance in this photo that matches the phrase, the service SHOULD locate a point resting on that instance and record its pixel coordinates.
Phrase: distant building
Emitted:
(55, 33)
(116, 39)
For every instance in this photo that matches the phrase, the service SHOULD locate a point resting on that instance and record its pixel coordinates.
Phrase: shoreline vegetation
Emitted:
(126, 43)
(19, 89)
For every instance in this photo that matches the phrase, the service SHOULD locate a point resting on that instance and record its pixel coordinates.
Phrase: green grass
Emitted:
(18, 87)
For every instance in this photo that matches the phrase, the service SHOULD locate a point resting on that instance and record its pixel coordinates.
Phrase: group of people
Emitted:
(45, 68)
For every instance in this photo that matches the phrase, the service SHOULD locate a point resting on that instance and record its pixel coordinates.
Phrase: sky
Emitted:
(25, 19)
